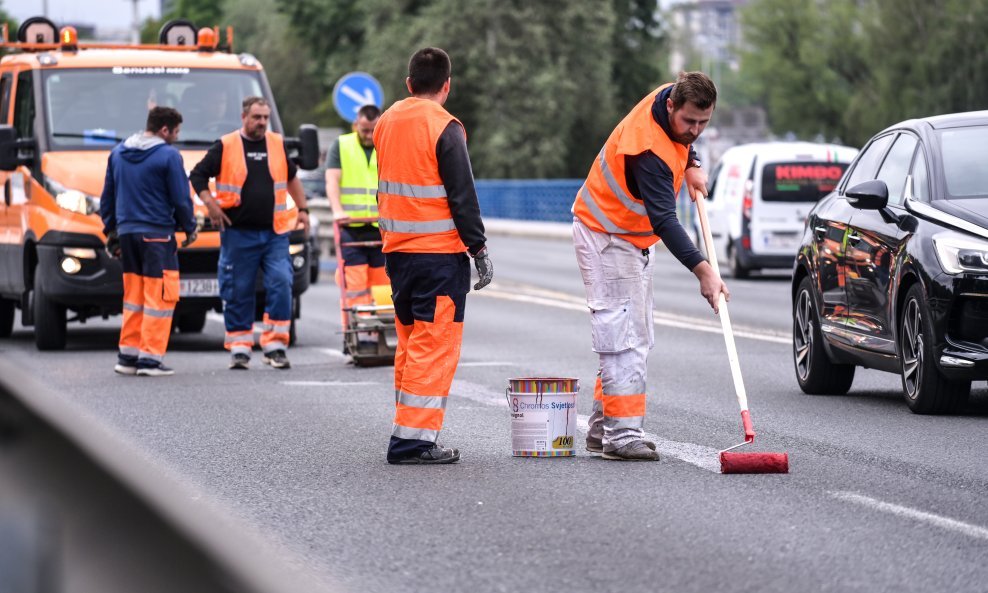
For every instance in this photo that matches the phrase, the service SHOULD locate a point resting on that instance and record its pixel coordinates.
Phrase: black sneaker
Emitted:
(126, 365)
(158, 370)
(277, 359)
(239, 361)
(433, 456)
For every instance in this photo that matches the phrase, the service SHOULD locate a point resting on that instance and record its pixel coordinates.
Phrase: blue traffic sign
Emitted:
(353, 91)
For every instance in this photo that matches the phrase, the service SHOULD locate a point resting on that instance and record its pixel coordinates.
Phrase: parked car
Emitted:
(892, 272)
(759, 197)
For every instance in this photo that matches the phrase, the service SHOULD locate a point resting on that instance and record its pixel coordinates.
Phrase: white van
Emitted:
(759, 197)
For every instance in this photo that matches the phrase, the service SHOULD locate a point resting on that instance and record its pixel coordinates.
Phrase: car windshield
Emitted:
(802, 181)
(965, 163)
(89, 108)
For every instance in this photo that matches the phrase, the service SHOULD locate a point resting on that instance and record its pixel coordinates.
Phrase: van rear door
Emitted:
(785, 193)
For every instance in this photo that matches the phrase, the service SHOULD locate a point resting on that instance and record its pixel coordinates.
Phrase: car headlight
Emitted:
(296, 248)
(961, 253)
(71, 199)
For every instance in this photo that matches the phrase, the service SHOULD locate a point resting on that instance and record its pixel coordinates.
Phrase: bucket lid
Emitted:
(544, 385)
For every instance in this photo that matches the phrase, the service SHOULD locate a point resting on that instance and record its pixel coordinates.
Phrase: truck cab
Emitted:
(64, 105)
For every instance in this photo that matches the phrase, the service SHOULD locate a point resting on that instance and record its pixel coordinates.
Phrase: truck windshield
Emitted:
(97, 108)
(800, 181)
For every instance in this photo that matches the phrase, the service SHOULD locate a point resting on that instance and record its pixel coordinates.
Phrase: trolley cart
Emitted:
(369, 334)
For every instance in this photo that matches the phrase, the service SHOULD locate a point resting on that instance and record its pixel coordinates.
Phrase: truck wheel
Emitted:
(6, 318)
(49, 320)
(191, 323)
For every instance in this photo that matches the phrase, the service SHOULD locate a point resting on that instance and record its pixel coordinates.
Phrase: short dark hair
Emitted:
(253, 100)
(428, 70)
(369, 112)
(163, 117)
(693, 87)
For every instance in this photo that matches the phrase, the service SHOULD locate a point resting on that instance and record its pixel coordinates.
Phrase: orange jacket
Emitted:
(233, 173)
(414, 212)
(604, 203)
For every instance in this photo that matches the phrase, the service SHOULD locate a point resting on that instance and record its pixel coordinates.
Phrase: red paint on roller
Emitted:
(754, 463)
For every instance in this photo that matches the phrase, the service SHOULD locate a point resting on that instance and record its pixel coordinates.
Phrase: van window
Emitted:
(98, 107)
(24, 106)
(802, 181)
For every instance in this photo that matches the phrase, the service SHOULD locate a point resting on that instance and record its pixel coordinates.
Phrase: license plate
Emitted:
(198, 287)
(782, 241)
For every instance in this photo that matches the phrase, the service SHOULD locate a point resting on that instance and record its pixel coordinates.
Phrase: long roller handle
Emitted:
(725, 322)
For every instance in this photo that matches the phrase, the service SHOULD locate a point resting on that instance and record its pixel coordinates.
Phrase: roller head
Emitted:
(754, 463)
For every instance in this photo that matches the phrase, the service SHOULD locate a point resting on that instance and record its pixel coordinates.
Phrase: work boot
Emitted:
(277, 359)
(597, 445)
(239, 362)
(126, 365)
(433, 456)
(634, 451)
(154, 370)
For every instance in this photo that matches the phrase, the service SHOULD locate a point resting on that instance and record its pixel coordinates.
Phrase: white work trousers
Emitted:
(618, 280)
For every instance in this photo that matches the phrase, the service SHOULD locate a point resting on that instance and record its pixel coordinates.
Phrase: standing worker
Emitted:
(430, 219)
(351, 184)
(145, 196)
(253, 179)
(626, 205)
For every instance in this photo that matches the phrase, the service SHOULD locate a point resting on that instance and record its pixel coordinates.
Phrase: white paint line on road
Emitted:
(563, 301)
(940, 521)
(703, 457)
(486, 364)
(333, 352)
(214, 316)
(328, 383)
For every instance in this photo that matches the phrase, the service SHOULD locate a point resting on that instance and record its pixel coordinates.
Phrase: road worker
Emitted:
(626, 205)
(145, 196)
(351, 184)
(430, 220)
(254, 177)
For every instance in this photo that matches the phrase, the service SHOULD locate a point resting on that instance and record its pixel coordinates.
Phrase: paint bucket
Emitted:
(543, 416)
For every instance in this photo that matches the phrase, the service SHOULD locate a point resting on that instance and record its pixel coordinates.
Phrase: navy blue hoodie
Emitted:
(146, 189)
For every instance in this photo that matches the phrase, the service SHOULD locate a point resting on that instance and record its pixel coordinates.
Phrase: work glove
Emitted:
(113, 245)
(485, 269)
(190, 238)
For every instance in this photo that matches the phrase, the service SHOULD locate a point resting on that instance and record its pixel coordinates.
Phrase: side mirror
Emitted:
(8, 148)
(308, 152)
(869, 195)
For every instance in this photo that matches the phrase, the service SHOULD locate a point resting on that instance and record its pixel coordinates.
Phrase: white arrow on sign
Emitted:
(366, 99)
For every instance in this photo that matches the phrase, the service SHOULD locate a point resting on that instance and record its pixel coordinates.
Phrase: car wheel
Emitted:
(815, 372)
(6, 318)
(926, 390)
(49, 320)
(734, 262)
(192, 322)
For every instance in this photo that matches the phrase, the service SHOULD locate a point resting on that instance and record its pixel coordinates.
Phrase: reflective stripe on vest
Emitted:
(233, 174)
(604, 203)
(358, 179)
(414, 210)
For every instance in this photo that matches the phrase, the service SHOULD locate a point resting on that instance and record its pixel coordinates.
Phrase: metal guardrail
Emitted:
(81, 512)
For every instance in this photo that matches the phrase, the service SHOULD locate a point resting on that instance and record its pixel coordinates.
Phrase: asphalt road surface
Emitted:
(877, 499)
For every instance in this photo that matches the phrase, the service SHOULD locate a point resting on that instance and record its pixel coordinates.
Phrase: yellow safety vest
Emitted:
(358, 183)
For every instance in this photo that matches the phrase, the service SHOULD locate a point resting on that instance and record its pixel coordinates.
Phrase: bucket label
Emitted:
(542, 425)
(563, 442)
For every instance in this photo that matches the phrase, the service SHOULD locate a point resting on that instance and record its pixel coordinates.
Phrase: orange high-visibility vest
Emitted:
(233, 173)
(605, 203)
(412, 205)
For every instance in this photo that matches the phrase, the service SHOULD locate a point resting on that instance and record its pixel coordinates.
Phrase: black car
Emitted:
(892, 272)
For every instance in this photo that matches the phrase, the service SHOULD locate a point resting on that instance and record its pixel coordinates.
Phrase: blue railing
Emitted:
(528, 199)
(546, 200)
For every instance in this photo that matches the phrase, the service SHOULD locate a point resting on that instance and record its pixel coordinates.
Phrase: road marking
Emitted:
(332, 352)
(328, 383)
(486, 364)
(565, 301)
(940, 521)
(703, 457)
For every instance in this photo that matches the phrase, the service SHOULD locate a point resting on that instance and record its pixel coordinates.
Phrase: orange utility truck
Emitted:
(64, 105)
